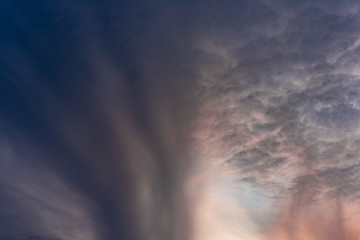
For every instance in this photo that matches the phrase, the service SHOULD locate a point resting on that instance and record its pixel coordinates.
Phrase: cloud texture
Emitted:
(281, 114)
(185, 120)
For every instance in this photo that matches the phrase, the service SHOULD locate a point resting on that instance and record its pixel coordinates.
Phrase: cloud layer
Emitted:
(280, 115)
(179, 120)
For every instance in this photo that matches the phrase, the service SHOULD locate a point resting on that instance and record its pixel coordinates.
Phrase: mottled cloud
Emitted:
(280, 112)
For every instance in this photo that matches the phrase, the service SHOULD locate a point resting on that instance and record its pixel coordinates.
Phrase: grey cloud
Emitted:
(306, 184)
(266, 127)
(275, 162)
(250, 180)
(269, 144)
(295, 86)
(248, 158)
(341, 181)
(255, 160)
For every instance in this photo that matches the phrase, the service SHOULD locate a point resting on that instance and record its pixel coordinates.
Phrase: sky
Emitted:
(179, 120)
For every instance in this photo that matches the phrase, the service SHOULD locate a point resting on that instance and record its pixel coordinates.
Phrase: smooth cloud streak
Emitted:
(99, 91)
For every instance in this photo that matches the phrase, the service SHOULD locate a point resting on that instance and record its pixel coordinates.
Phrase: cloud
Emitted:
(36, 202)
(280, 108)
(99, 94)
(28, 237)
(142, 111)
